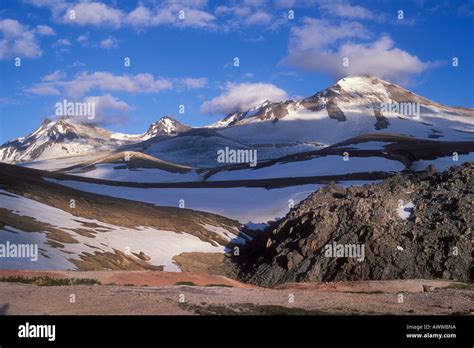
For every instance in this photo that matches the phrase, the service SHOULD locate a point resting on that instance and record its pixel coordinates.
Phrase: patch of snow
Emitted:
(404, 211)
(370, 145)
(442, 163)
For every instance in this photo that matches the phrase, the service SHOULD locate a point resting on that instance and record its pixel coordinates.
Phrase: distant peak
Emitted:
(166, 125)
(164, 119)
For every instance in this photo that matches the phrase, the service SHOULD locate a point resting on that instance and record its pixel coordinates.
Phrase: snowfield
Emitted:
(245, 204)
(160, 245)
(109, 172)
(319, 166)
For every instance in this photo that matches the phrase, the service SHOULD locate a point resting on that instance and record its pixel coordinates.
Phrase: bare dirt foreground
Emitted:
(163, 293)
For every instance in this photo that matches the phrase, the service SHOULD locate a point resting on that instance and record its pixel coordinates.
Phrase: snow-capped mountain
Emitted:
(351, 107)
(66, 138)
(165, 126)
(55, 138)
(235, 117)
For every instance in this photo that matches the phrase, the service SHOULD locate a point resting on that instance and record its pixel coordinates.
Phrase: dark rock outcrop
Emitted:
(432, 239)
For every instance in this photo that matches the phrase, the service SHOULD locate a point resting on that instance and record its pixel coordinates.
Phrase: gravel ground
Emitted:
(332, 298)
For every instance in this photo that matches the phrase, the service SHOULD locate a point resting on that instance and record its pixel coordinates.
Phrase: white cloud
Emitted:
(320, 45)
(63, 43)
(55, 76)
(160, 13)
(17, 39)
(244, 15)
(108, 109)
(82, 39)
(85, 12)
(195, 83)
(109, 42)
(259, 18)
(140, 17)
(45, 30)
(139, 83)
(285, 3)
(93, 14)
(346, 10)
(85, 82)
(196, 18)
(241, 97)
(317, 34)
(77, 64)
(43, 89)
(168, 13)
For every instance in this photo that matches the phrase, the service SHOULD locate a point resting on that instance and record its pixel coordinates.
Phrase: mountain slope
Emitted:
(351, 107)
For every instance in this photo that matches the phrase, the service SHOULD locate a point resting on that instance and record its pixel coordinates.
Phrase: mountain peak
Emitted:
(165, 126)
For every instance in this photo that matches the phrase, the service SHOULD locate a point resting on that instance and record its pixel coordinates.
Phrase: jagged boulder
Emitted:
(408, 226)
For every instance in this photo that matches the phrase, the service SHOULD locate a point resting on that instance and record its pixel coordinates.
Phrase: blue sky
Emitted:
(189, 61)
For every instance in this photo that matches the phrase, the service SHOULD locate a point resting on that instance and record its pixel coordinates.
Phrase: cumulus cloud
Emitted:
(259, 18)
(93, 14)
(246, 14)
(169, 13)
(241, 97)
(108, 109)
(83, 39)
(346, 10)
(195, 83)
(82, 13)
(17, 40)
(43, 89)
(55, 76)
(45, 30)
(176, 13)
(320, 45)
(100, 14)
(109, 42)
(62, 43)
(85, 82)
